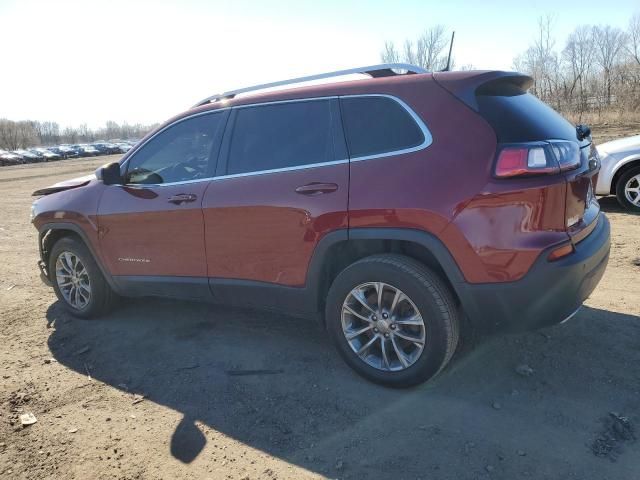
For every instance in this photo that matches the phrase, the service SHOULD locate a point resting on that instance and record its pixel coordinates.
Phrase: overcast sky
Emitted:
(138, 61)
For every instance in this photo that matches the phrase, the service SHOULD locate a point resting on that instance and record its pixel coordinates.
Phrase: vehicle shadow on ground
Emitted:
(610, 205)
(276, 384)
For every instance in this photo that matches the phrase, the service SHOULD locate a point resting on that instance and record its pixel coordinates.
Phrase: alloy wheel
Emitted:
(632, 190)
(73, 280)
(383, 326)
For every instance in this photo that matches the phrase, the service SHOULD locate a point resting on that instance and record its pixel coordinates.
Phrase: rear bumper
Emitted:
(550, 293)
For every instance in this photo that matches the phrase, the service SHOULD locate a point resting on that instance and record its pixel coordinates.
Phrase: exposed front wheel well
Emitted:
(342, 254)
(50, 237)
(621, 171)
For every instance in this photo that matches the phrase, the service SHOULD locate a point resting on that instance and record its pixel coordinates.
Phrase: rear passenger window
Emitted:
(267, 137)
(378, 125)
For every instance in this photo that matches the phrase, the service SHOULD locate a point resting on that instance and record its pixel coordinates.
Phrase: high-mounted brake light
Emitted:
(521, 160)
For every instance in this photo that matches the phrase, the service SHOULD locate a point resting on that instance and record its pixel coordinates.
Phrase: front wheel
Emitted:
(77, 280)
(393, 320)
(628, 189)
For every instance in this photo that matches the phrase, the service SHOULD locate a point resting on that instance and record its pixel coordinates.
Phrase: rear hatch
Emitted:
(534, 140)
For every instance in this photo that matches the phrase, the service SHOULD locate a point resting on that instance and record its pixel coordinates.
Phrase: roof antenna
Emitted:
(448, 67)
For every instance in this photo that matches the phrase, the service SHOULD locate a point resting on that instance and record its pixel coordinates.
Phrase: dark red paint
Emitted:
(260, 228)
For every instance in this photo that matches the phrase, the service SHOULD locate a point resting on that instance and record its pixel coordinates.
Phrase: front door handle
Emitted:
(181, 198)
(316, 188)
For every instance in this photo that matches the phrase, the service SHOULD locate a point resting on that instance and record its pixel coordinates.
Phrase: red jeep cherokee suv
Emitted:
(389, 207)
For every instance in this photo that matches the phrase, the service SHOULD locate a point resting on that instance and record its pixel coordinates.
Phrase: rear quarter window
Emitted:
(376, 125)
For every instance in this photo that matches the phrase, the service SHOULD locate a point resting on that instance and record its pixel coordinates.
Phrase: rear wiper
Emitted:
(583, 131)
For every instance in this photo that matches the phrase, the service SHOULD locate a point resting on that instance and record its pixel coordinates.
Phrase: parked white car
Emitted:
(620, 171)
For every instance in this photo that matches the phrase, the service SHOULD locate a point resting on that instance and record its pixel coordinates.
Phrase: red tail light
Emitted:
(537, 158)
(512, 162)
(567, 154)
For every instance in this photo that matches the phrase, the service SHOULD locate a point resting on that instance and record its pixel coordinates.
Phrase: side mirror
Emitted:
(110, 174)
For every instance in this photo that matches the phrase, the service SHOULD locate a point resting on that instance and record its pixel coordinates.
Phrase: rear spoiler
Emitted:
(466, 85)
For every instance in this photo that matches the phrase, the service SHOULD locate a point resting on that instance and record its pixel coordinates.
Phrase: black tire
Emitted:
(620, 186)
(102, 298)
(429, 294)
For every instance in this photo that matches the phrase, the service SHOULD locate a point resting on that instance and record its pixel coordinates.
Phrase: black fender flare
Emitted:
(52, 226)
(425, 239)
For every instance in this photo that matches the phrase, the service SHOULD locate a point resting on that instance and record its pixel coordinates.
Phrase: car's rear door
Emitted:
(282, 184)
(151, 228)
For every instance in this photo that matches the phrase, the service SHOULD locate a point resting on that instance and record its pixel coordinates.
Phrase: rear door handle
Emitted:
(181, 198)
(316, 188)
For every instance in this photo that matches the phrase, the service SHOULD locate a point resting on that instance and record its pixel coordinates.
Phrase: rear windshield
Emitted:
(521, 117)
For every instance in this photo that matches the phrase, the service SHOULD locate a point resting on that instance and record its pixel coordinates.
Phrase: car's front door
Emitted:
(282, 183)
(151, 229)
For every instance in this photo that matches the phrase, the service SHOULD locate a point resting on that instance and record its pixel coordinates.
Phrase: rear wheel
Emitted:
(628, 189)
(77, 279)
(393, 320)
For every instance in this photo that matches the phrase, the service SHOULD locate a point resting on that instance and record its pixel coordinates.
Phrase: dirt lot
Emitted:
(310, 416)
(610, 131)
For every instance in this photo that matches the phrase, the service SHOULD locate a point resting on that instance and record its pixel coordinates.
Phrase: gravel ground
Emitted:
(166, 389)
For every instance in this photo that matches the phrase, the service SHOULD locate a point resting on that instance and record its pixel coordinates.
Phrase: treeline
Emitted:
(596, 69)
(429, 50)
(27, 133)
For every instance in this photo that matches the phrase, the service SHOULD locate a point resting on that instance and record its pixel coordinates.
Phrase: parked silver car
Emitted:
(8, 158)
(620, 171)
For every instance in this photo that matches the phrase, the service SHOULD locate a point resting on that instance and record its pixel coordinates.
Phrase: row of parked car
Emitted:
(59, 152)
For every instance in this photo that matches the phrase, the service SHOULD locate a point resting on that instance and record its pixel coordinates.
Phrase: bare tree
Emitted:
(112, 130)
(633, 45)
(409, 53)
(430, 46)
(84, 134)
(609, 42)
(578, 55)
(14, 135)
(541, 62)
(70, 135)
(390, 54)
(48, 133)
(595, 70)
(546, 60)
(8, 135)
(426, 51)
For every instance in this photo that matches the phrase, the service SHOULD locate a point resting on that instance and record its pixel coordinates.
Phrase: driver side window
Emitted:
(180, 153)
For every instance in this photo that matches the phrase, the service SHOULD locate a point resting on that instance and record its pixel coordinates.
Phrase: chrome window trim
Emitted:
(168, 184)
(428, 140)
(238, 175)
(137, 148)
(284, 169)
(292, 100)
